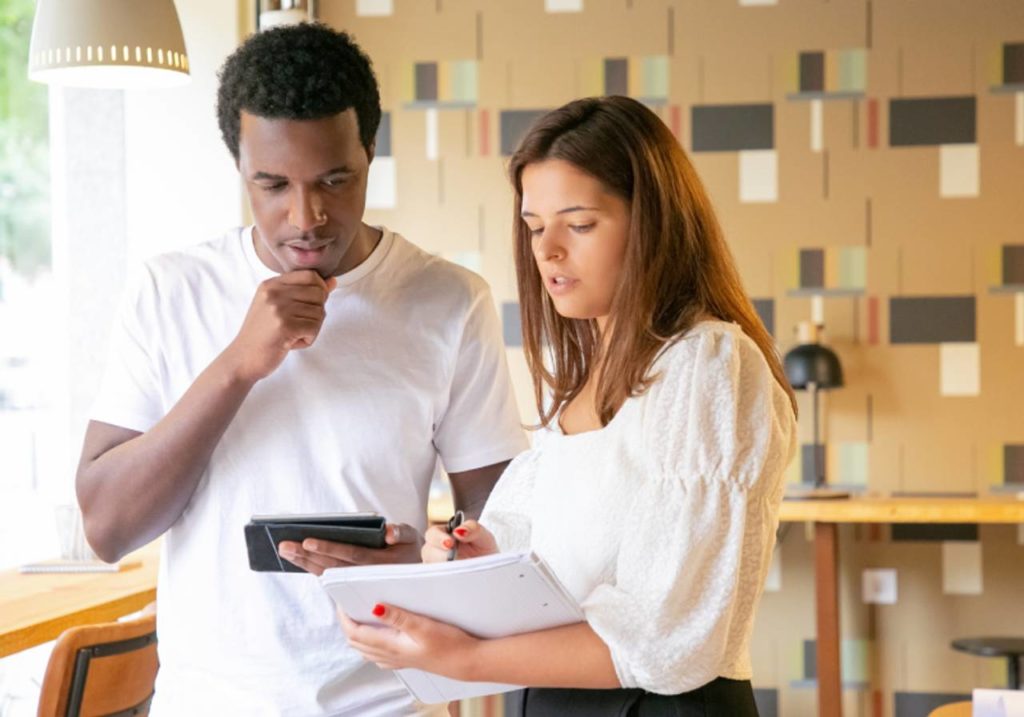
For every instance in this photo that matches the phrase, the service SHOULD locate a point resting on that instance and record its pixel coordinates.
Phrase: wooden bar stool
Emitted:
(1009, 647)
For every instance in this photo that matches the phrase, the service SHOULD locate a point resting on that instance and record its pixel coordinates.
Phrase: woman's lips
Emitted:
(560, 285)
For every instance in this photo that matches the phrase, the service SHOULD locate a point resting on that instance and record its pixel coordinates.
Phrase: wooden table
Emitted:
(36, 608)
(826, 514)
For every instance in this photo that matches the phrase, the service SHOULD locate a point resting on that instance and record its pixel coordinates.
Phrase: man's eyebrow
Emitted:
(267, 176)
(337, 170)
(567, 210)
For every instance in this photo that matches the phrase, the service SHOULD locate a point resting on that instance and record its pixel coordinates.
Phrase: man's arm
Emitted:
(471, 488)
(132, 486)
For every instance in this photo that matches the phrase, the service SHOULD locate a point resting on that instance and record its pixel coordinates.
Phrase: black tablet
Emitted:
(265, 532)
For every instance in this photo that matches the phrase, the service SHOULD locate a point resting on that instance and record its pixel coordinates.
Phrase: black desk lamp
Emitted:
(813, 367)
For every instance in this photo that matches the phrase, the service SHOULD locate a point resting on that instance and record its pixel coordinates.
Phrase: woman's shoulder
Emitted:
(707, 341)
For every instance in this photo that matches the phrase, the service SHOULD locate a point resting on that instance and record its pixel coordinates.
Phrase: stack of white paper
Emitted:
(998, 703)
(493, 596)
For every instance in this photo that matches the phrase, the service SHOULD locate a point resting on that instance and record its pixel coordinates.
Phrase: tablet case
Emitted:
(263, 534)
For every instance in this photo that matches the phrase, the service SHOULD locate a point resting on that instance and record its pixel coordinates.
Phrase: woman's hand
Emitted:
(471, 538)
(404, 639)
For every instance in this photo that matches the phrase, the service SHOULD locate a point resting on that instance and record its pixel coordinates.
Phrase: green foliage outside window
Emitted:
(24, 147)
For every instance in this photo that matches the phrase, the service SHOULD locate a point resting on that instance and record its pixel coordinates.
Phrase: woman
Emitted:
(653, 487)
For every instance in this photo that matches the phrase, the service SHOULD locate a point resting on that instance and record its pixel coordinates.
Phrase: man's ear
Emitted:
(371, 151)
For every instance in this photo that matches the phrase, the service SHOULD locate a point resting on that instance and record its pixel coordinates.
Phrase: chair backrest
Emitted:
(953, 709)
(106, 669)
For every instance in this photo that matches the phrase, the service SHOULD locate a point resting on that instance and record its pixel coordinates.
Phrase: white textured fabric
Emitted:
(662, 523)
(408, 369)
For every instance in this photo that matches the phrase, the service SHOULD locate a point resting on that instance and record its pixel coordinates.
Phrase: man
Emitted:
(310, 363)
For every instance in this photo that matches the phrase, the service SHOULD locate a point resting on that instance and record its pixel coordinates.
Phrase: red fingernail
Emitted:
(461, 532)
(379, 610)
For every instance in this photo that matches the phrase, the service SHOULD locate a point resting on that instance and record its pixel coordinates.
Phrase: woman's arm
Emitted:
(569, 656)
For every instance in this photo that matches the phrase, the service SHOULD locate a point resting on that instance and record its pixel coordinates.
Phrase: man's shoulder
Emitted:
(208, 257)
(441, 276)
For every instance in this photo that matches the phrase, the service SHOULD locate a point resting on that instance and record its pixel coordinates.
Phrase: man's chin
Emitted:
(321, 260)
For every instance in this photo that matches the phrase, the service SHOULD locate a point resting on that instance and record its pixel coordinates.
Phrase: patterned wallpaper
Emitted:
(866, 159)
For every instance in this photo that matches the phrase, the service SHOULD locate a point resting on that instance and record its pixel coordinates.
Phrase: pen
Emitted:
(454, 522)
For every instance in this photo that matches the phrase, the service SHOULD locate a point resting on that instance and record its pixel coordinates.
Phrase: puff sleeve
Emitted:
(718, 433)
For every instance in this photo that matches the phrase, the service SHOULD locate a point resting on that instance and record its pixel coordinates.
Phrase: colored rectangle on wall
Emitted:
(616, 76)
(765, 309)
(812, 72)
(959, 173)
(812, 269)
(933, 532)
(381, 184)
(808, 467)
(961, 568)
(921, 704)
(425, 83)
(1013, 464)
(852, 267)
(759, 175)
(382, 144)
(1018, 318)
(513, 126)
(932, 121)
(731, 128)
(432, 133)
(511, 325)
(852, 458)
(462, 81)
(767, 701)
(374, 8)
(931, 319)
(563, 5)
(654, 78)
(1013, 63)
(1013, 264)
(960, 369)
(851, 70)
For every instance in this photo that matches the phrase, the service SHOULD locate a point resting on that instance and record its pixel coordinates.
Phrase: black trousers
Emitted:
(719, 698)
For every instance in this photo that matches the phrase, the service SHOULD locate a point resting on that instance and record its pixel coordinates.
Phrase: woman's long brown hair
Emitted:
(677, 267)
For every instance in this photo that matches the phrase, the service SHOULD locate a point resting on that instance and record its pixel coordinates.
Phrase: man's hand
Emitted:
(285, 314)
(315, 555)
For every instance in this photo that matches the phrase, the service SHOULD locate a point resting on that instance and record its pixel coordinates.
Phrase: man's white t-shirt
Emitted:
(407, 374)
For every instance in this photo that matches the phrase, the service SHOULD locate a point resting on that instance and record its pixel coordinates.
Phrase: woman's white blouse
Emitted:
(662, 523)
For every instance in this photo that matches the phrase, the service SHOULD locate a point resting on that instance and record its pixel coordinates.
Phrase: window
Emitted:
(27, 304)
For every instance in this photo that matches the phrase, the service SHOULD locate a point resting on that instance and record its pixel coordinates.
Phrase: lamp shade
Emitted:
(813, 364)
(108, 43)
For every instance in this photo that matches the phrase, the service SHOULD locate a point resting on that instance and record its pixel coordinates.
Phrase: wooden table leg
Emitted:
(826, 588)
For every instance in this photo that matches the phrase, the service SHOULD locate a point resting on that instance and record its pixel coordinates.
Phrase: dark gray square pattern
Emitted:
(514, 124)
(931, 319)
(731, 128)
(932, 121)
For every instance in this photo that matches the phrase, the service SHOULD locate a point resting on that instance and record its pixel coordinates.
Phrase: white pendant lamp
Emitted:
(125, 44)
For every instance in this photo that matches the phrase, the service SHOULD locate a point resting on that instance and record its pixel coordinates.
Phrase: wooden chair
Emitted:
(106, 669)
(953, 709)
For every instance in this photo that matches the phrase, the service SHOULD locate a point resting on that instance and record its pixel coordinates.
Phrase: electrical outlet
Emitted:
(878, 586)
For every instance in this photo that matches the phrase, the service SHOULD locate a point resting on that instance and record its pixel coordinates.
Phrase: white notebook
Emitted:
(493, 596)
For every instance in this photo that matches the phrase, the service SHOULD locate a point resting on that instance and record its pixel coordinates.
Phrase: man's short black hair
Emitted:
(302, 72)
